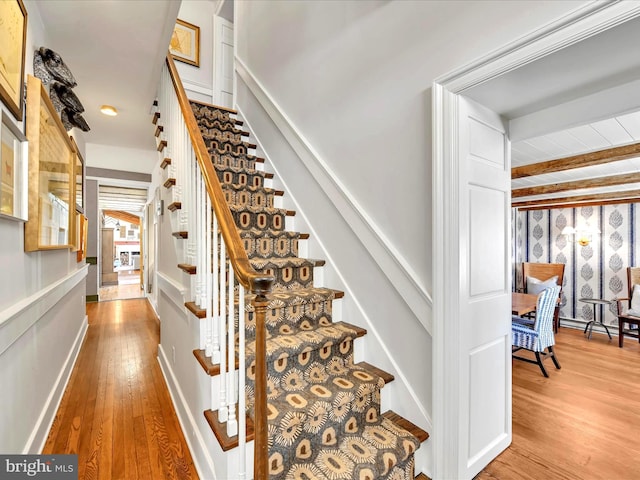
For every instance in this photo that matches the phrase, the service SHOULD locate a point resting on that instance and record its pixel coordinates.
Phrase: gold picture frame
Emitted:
(185, 43)
(14, 153)
(13, 36)
(83, 223)
(52, 159)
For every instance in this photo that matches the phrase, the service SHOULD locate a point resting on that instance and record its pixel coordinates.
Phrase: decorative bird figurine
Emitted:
(72, 119)
(39, 70)
(57, 68)
(62, 96)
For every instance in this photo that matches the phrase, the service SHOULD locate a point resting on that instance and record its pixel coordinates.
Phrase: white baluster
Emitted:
(242, 407)
(232, 423)
(208, 342)
(223, 410)
(215, 356)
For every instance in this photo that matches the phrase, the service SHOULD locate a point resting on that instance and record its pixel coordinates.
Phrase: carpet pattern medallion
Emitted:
(324, 418)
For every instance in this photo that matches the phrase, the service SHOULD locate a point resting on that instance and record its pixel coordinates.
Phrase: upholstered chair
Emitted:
(629, 308)
(537, 337)
(538, 276)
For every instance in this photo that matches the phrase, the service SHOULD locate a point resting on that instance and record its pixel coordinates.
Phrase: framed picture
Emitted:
(52, 221)
(81, 254)
(13, 34)
(14, 153)
(79, 177)
(185, 43)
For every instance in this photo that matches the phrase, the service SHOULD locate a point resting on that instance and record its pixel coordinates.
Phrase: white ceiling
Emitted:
(592, 66)
(131, 200)
(600, 62)
(115, 51)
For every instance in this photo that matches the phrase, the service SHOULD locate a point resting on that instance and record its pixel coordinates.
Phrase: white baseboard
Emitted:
(41, 430)
(199, 452)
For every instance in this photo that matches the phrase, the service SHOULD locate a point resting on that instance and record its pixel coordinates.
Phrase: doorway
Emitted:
(121, 210)
(457, 360)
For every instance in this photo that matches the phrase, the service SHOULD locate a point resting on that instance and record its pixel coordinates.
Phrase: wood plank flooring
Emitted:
(116, 413)
(582, 422)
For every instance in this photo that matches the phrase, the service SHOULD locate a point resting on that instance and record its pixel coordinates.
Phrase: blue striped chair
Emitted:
(537, 336)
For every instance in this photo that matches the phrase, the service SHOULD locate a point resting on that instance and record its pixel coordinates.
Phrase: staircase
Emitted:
(324, 418)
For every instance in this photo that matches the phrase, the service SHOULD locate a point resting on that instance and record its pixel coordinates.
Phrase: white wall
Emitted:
(121, 158)
(198, 81)
(354, 77)
(347, 87)
(42, 318)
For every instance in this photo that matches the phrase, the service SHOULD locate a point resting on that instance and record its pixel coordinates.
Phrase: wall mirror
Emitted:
(52, 183)
(13, 171)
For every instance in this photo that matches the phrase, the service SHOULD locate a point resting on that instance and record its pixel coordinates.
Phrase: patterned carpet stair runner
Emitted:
(324, 410)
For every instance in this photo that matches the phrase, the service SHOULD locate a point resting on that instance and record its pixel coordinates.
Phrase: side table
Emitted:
(595, 302)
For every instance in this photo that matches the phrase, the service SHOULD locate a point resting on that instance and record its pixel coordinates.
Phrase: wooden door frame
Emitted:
(448, 439)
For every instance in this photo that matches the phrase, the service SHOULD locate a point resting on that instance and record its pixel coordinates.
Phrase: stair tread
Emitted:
(220, 431)
(281, 262)
(386, 376)
(269, 233)
(248, 171)
(387, 459)
(190, 269)
(197, 311)
(259, 209)
(251, 188)
(210, 368)
(299, 296)
(416, 431)
(175, 206)
(319, 336)
(422, 476)
(215, 107)
(181, 234)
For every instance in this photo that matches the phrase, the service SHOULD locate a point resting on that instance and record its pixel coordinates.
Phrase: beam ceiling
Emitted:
(585, 189)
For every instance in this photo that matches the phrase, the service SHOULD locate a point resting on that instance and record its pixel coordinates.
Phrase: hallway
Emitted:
(116, 413)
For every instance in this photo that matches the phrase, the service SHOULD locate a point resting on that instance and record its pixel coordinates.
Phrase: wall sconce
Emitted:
(583, 235)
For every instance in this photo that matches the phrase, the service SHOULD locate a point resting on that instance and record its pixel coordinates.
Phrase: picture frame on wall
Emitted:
(185, 43)
(13, 36)
(14, 152)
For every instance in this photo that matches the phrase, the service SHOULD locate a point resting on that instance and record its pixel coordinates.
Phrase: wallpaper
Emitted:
(597, 270)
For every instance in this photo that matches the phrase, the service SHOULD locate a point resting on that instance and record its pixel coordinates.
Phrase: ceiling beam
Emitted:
(581, 204)
(124, 216)
(629, 196)
(577, 161)
(608, 181)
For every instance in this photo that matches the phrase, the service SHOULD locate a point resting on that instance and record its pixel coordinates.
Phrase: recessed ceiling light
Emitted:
(109, 110)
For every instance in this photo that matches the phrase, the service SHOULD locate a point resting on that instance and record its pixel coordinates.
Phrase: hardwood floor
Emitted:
(116, 413)
(580, 423)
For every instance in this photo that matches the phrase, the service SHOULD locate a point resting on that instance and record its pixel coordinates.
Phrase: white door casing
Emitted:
(223, 62)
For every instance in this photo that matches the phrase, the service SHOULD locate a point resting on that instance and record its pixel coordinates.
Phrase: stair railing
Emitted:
(222, 269)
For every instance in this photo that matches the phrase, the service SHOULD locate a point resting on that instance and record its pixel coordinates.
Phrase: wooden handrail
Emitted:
(254, 281)
(257, 283)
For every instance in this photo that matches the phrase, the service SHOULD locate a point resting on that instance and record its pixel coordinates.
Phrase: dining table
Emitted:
(523, 303)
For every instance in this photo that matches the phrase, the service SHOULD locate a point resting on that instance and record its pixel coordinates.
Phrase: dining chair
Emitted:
(539, 336)
(537, 276)
(628, 308)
